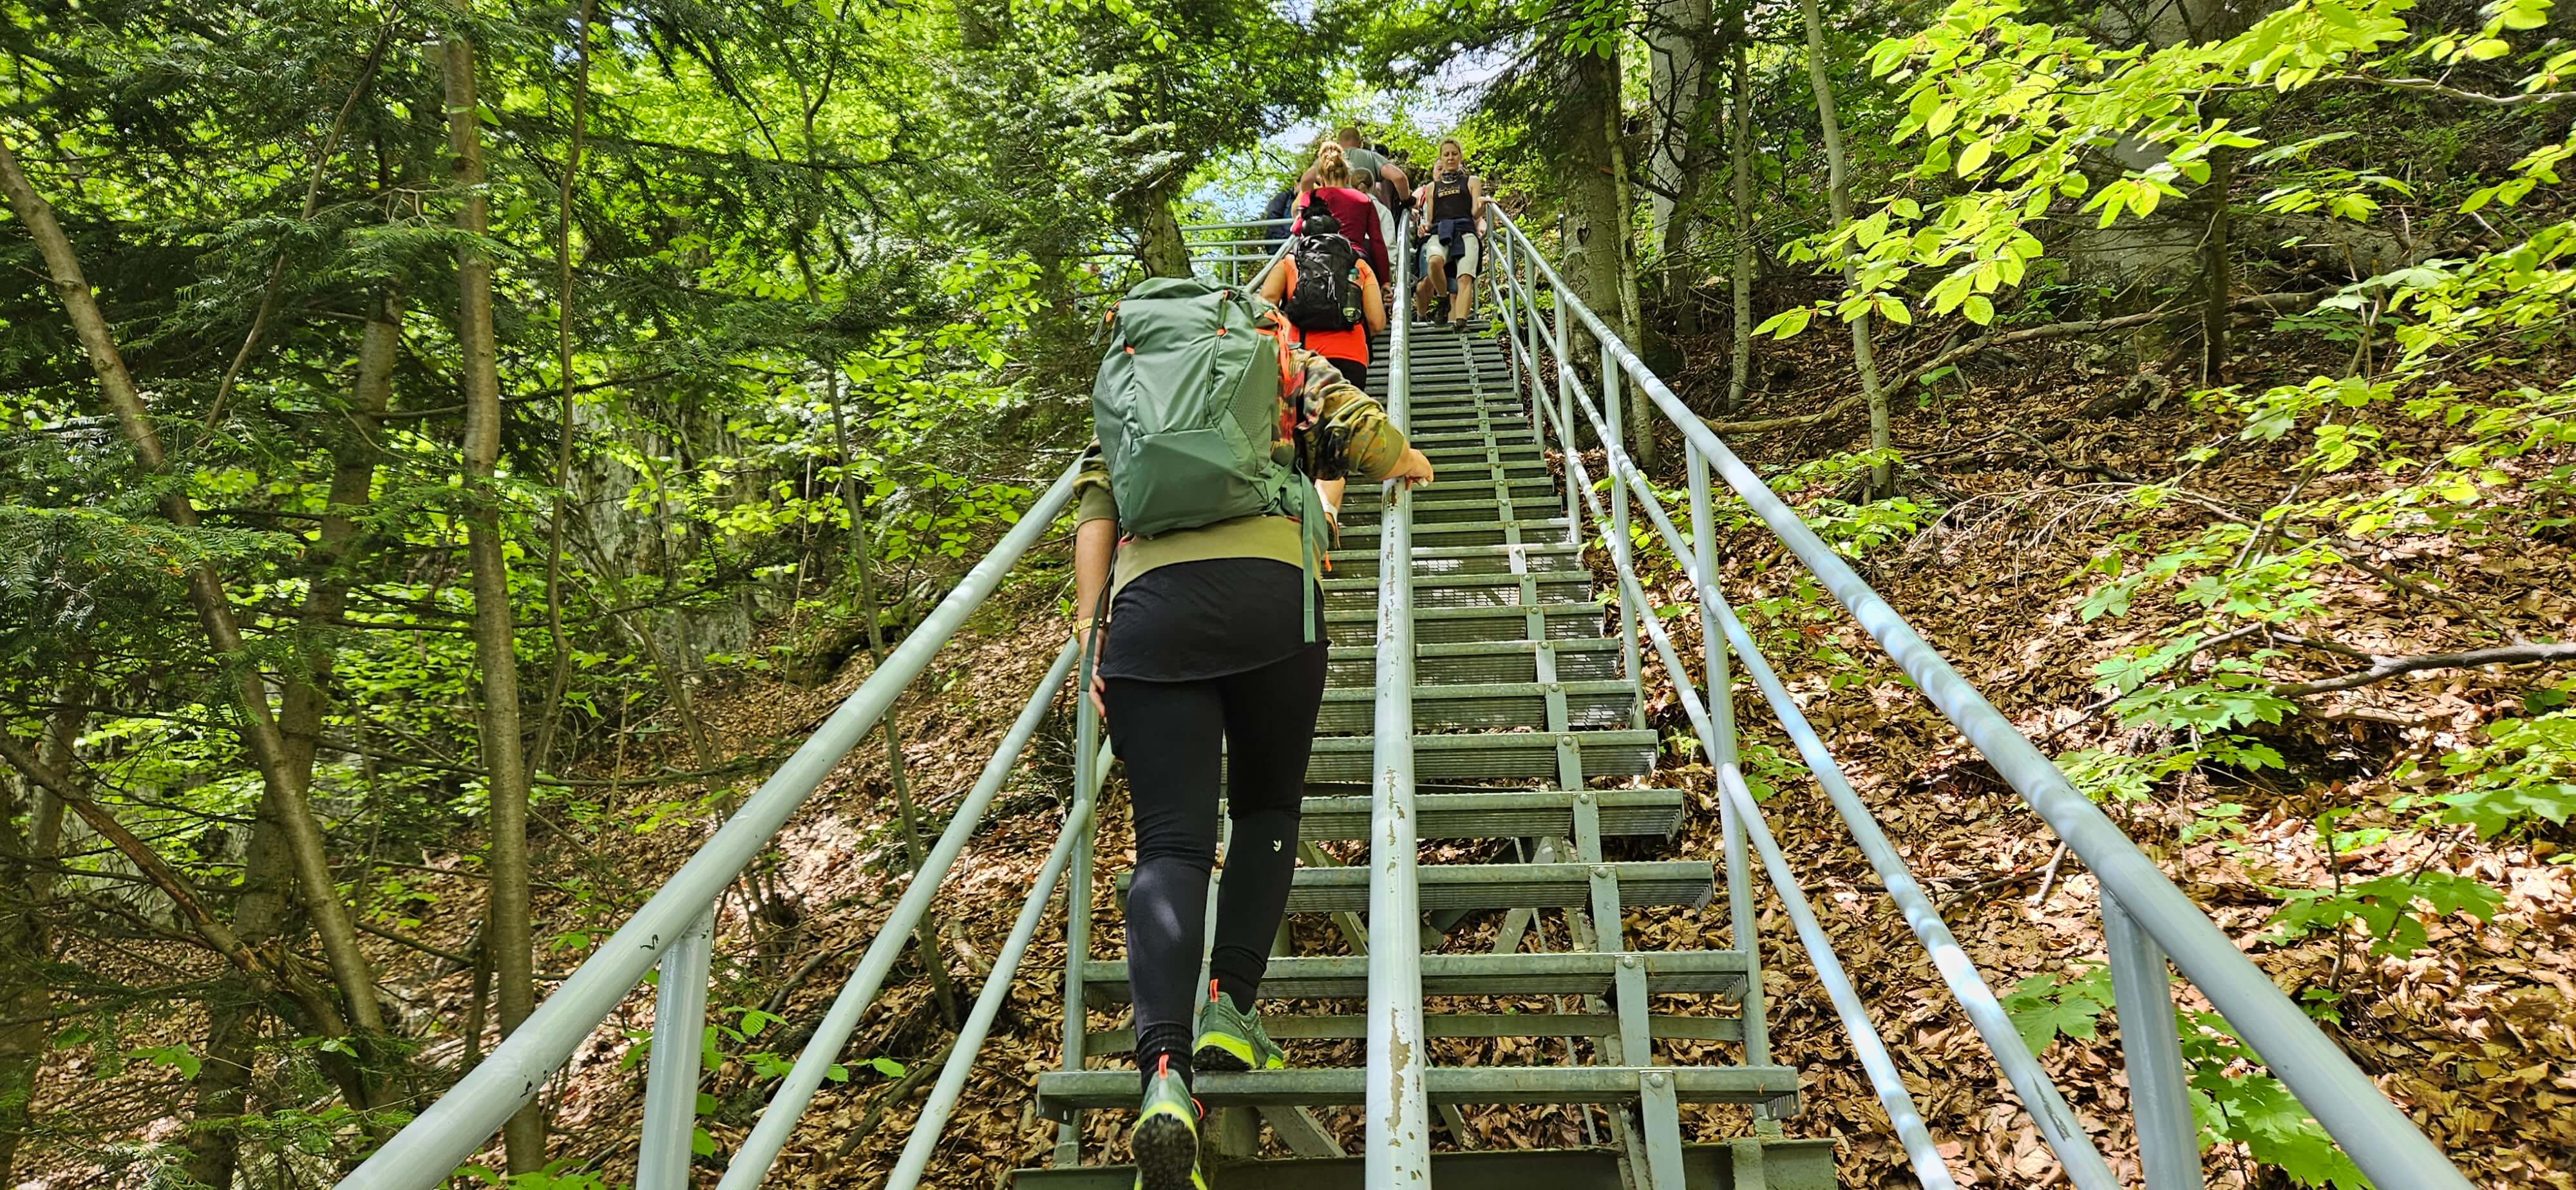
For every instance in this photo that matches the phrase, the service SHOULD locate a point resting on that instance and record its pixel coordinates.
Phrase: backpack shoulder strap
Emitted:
(1277, 327)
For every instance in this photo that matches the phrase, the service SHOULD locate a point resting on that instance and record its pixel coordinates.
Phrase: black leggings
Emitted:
(1169, 733)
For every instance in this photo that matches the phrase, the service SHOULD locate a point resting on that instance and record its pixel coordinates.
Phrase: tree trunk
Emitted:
(2216, 273)
(1159, 246)
(353, 477)
(863, 560)
(1676, 36)
(510, 933)
(284, 794)
(26, 951)
(1639, 425)
(1594, 222)
(559, 679)
(1740, 282)
(1838, 191)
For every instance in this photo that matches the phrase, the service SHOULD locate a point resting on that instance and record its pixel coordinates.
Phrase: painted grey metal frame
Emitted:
(2148, 919)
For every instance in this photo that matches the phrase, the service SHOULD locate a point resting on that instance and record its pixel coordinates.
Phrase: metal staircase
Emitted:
(1519, 690)
(1474, 699)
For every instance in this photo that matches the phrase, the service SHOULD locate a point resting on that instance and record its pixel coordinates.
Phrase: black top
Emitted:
(1450, 199)
(1190, 621)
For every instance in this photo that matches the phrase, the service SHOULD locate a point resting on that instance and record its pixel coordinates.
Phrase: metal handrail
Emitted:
(1921, 1152)
(2146, 917)
(1399, 1126)
(433, 1145)
(814, 1063)
(2055, 1120)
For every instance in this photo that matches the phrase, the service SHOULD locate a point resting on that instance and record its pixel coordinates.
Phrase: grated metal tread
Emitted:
(1115, 1090)
(1482, 661)
(1335, 812)
(1771, 1163)
(1484, 705)
(1466, 559)
(1583, 973)
(1687, 883)
(1491, 755)
(1462, 590)
(1444, 625)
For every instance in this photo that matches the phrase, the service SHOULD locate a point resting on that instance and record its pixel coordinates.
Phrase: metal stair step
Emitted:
(1785, 1165)
(1466, 559)
(1513, 450)
(1525, 488)
(1338, 812)
(1443, 625)
(1483, 706)
(1354, 1027)
(1578, 659)
(1467, 404)
(1531, 528)
(1504, 431)
(1490, 755)
(1472, 507)
(1462, 590)
(1094, 1090)
(1345, 977)
(1687, 883)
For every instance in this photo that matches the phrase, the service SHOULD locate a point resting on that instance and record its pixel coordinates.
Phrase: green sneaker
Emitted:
(1230, 1039)
(1165, 1141)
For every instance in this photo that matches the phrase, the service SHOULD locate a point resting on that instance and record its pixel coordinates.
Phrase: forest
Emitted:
(452, 452)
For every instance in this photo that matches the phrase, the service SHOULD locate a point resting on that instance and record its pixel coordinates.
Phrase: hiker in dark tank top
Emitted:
(1211, 667)
(1452, 220)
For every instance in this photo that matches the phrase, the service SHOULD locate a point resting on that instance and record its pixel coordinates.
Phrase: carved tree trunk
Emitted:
(509, 934)
(1631, 319)
(1594, 224)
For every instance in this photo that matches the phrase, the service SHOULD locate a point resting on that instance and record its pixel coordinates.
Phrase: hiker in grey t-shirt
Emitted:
(1373, 175)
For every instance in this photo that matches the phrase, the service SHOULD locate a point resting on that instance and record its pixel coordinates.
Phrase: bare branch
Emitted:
(2384, 668)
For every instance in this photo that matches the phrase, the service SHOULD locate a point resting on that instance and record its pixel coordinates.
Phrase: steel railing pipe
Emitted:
(671, 1069)
(430, 1148)
(2054, 1119)
(1902, 1114)
(969, 1044)
(2374, 1133)
(822, 1051)
(1399, 1124)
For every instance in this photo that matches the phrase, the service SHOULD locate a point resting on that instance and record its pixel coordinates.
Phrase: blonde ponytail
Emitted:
(1331, 169)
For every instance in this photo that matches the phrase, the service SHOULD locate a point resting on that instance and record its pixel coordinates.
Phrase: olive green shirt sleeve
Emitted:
(1352, 437)
(1091, 488)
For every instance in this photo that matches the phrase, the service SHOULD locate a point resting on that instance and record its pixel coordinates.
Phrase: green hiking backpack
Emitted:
(1192, 422)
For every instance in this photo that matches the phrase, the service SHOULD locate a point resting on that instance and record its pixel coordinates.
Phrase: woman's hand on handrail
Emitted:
(1413, 470)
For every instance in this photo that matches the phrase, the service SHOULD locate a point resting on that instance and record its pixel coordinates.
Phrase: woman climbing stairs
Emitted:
(1528, 731)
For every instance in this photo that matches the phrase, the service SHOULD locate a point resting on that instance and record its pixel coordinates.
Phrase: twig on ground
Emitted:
(2384, 668)
(2048, 879)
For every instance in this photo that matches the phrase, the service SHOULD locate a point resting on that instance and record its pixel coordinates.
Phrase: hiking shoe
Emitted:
(1230, 1039)
(1165, 1141)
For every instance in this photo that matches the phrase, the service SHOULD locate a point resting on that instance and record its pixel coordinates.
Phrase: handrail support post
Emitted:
(2151, 1045)
(671, 1070)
